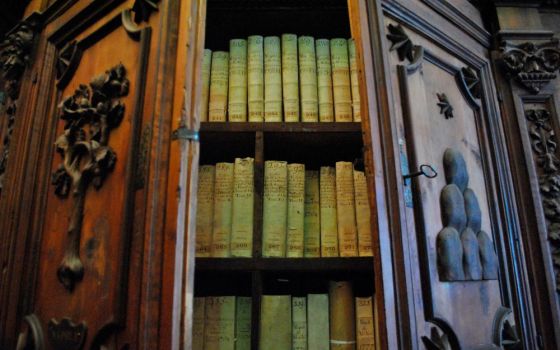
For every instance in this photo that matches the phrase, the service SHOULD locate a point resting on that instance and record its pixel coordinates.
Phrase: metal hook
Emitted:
(426, 170)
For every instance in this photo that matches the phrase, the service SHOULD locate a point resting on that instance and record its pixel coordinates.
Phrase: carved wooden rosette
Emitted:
(86, 155)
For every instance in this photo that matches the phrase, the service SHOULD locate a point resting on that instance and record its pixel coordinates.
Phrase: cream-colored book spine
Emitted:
(255, 77)
(296, 207)
(219, 74)
(272, 79)
(365, 329)
(290, 80)
(308, 79)
(237, 101)
(318, 324)
(363, 214)
(198, 324)
(342, 316)
(354, 81)
(223, 201)
(206, 66)
(327, 198)
(243, 200)
(324, 80)
(205, 210)
(276, 322)
(312, 217)
(345, 209)
(299, 323)
(219, 330)
(275, 208)
(243, 324)
(341, 81)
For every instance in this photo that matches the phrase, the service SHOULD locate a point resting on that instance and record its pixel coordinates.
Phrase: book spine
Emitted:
(363, 214)
(299, 323)
(205, 210)
(364, 324)
(206, 66)
(290, 81)
(296, 204)
(219, 330)
(255, 77)
(198, 324)
(327, 198)
(312, 219)
(345, 209)
(318, 324)
(223, 198)
(341, 81)
(243, 324)
(342, 316)
(272, 80)
(354, 81)
(276, 322)
(243, 200)
(308, 79)
(275, 208)
(237, 103)
(217, 105)
(324, 80)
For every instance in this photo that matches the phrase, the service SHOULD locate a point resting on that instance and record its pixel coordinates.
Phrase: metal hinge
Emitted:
(184, 133)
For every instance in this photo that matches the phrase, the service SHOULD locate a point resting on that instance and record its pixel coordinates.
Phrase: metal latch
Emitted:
(184, 133)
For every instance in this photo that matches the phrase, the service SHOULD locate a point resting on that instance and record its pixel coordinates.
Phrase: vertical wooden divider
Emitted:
(256, 277)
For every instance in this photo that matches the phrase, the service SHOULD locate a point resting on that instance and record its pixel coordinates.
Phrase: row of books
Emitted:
(287, 78)
(311, 213)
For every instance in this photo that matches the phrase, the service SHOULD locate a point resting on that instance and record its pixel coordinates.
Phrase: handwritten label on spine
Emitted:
(219, 73)
(237, 105)
(223, 200)
(219, 330)
(296, 204)
(324, 80)
(243, 324)
(242, 222)
(275, 208)
(312, 219)
(354, 81)
(329, 230)
(363, 214)
(341, 81)
(206, 64)
(205, 210)
(255, 77)
(290, 81)
(364, 324)
(198, 324)
(345, 209)
(272, 80)
(299, 323)
(308, 79)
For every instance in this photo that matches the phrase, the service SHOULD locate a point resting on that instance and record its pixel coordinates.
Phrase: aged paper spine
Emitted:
(290, 80)
(237, 102)
(205, 210)
(308, 79)
(223, 200)
(318, 325)
(198, 324)
(243, 324)
(364, 324)
(219, 330)
(299, 323)
(296, 207)
(312, 218)
(342, 316)
(341, 81)
(363, 214)
(272, 80)
(329, 230)
(255, 77)
(243, 199)
(324, 80)
(275, 207)
(206, 66)
(276, 322)
(354, 81)
(345, 209)
(217, 105)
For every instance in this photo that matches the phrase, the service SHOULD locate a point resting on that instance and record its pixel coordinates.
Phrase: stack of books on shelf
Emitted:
(287, 78)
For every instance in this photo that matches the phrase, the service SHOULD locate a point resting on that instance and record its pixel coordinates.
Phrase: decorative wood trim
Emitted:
(67, 61)
(444, 105)
(400, 42)
(32, 337)
(469, 83)
(506, 336)
(143, 9)
(67, 334)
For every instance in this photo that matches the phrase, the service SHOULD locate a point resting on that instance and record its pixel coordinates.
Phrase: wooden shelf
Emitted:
(281, 127)
(358, 264)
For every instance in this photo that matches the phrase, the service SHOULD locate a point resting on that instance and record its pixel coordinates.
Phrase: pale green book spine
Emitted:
(299, 323)
(327, 197)
(324, 80)
(272, 79)
(219, 330)
(290, 81)
(255, 77)
(223, 201)
(363, 214)
(243, 324)
(312, 218)
(308, 79)
(237, 101)
(296, 207)
(206, 66)
(219, 74)
(198, 324)
(276, 323)
(205, 210)
(275, 208)
(345, 209)
(354, 81)
(318, 325)
(365, 330)
(341, 81)
(243, 195)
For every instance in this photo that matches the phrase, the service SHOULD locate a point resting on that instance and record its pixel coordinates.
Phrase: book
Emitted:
(205, 210)
(363, 214)
(354, 81)
(296, 204)
(341, 81)
(308, 79)
(318, 325)
(218, 99)
(243, 324)
(242, 208)
(206, 66)
(219, 328)
(198, 324)
(223, 200)
(299, 323)
(290, 81)
(345, 210)
(365, 337)
(276, 322)
(327, 202)
(275, 208)
(255, 77)
(272, 80)
(237, 101)
(342, 316)
(324, 80)
(312, 218)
